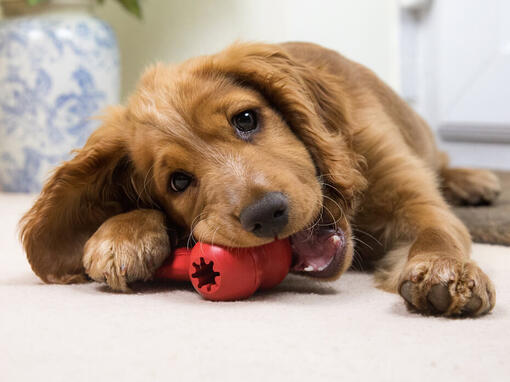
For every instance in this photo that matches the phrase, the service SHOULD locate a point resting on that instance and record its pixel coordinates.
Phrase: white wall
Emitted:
(174, 30)
(455, 61)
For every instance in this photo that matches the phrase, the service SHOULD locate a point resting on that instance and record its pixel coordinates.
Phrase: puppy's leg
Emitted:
(465, 186)
(428, 263)
(126, 248)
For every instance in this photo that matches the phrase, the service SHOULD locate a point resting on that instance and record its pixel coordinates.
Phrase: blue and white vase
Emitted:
(59, 66)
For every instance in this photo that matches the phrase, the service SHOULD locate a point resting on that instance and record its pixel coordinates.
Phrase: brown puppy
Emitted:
(256, 142)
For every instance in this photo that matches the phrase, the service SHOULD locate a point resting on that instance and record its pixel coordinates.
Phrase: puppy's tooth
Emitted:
(335, 239)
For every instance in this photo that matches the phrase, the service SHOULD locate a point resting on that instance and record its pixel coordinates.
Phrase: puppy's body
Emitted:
(332, 145)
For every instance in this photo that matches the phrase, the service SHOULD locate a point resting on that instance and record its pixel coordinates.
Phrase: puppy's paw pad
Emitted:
(473, 304)
(440, 298)
(405, 291)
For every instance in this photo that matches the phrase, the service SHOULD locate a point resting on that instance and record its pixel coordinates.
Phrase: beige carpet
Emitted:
(302, 331)
(490, 224)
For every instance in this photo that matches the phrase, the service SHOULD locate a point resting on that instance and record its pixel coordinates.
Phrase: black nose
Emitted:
(267, 216)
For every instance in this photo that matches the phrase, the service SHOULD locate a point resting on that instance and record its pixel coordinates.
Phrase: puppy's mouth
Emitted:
(318, 252)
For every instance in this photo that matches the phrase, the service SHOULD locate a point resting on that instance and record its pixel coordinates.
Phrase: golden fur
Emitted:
(106, 212)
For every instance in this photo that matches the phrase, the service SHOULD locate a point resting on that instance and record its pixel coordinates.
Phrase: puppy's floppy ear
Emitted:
(82, 193)
(312, 102)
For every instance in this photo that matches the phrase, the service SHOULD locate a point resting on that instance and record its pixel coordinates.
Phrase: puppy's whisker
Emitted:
(145, 181)
(200, 238)
(316, 222)
(192, 239)
(193, 225)
(356, 258)
(337, 191)
(132, 192)
(356, 229)
(339, 210)
(214, 234)
(332, 217)
(358, 240)
(331, 186)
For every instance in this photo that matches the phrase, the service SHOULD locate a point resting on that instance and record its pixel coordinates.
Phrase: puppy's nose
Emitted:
(268, 216)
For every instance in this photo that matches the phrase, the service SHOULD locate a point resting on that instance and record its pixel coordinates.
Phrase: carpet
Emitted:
(490, 224)
(301, 331)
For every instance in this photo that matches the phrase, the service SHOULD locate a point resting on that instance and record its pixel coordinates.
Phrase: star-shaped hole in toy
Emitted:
(205, 274)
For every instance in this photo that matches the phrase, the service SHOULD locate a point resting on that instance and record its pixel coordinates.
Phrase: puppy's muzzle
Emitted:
(268, 216)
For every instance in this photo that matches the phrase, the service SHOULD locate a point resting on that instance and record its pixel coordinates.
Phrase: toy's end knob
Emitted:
(205, 276)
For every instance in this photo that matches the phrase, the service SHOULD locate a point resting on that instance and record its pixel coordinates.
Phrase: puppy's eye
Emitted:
(179, 181)
(245, 121)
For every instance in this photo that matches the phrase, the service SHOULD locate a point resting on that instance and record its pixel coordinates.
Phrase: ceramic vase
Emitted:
(59, 66)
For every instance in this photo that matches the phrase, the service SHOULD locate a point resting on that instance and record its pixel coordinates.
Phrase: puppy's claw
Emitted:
(118, 283)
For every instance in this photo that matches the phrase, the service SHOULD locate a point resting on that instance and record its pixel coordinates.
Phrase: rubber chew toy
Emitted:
(222, 274)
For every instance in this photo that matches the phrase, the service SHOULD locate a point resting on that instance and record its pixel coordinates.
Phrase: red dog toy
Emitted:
(222, 274)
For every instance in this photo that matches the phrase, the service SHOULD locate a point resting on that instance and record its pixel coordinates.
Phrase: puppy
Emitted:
(260, 142)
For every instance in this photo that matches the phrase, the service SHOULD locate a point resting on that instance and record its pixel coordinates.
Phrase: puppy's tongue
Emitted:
(318, 252)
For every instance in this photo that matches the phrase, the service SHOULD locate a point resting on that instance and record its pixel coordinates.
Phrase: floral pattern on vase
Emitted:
(56, 72)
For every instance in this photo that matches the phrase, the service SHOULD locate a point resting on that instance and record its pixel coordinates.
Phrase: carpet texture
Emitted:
(490, 224)
(301, 331)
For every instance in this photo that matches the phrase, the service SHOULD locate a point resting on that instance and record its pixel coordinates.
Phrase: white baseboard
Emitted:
(475, 133)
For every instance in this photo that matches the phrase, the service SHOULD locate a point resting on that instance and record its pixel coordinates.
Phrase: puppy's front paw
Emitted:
(435, 284)
(126, 248)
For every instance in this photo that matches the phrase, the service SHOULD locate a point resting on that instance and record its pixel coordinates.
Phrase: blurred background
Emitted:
(450, 59)
(174, 30)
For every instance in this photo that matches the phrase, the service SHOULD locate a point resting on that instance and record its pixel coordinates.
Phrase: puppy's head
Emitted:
(247, 146)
